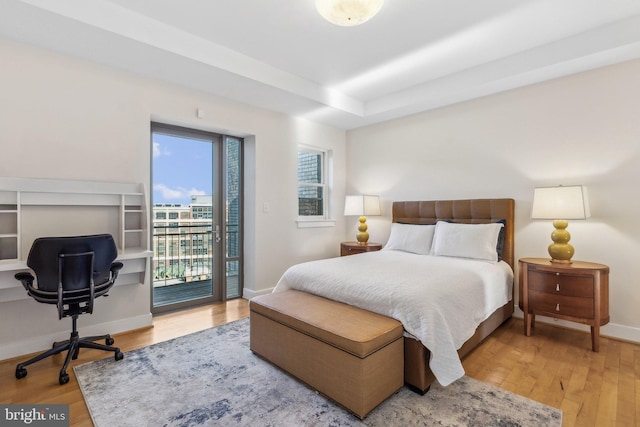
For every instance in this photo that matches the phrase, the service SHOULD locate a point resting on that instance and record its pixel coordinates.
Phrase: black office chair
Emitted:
(71, 272)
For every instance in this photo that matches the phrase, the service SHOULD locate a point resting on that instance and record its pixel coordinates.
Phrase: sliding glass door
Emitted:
(196, 217)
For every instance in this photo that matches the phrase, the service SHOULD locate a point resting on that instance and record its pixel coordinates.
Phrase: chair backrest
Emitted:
(44, 259)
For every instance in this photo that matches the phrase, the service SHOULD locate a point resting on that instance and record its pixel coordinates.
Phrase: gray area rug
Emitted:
(212, 378)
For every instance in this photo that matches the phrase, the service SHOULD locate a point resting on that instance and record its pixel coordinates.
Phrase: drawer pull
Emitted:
(557, 287)
(557, 274)
(557, 307)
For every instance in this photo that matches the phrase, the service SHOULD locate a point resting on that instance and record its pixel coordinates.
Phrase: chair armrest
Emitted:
(26, 279)
(115, 269)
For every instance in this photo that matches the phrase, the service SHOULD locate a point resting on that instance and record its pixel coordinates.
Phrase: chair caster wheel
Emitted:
(20, 372)
(119, 355)
(64, 378)
(109, 341)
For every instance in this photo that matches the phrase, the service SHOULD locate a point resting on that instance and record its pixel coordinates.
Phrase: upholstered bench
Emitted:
(350, 355)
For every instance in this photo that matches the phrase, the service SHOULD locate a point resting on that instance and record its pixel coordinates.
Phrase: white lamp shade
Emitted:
(362, 205)
(570, 202)
(347, 13)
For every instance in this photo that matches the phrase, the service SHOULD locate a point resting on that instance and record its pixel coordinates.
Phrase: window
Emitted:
(312, 183)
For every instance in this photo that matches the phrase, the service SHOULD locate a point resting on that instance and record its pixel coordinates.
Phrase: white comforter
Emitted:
(439, 300)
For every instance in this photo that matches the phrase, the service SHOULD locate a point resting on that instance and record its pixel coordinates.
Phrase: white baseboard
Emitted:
(611, 330)
(43, 342)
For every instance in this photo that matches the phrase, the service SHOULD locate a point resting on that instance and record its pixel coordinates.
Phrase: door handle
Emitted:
(218, 238)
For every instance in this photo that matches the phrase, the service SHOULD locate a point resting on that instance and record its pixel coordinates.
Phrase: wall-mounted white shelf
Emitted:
(31, 208)
(9, 225)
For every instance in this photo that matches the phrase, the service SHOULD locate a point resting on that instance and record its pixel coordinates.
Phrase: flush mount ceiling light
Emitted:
(348, 13)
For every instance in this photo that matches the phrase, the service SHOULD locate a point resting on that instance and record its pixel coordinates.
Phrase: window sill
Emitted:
(316, 223)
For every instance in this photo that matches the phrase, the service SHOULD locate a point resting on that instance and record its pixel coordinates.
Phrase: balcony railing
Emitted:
(181, 252)
(182, 262)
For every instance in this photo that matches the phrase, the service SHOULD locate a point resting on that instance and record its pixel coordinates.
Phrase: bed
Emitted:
(424, 288)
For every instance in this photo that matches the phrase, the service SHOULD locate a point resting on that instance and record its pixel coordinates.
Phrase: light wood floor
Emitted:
(555, 366)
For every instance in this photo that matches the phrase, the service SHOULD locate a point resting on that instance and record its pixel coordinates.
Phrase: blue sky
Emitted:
(181, 168)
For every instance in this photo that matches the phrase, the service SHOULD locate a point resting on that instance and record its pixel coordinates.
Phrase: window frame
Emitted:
(231, 280)
(326, 173)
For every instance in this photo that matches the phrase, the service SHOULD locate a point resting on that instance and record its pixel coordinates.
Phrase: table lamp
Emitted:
(362, 206)
(560, 204)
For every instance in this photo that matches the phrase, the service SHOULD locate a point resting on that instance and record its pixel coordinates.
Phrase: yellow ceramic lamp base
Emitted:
(362, 236)
(560, 250)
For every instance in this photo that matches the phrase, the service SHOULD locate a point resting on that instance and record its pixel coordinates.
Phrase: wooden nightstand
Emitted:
(578, 292)
(352, 248)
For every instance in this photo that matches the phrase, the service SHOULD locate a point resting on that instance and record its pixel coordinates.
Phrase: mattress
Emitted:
(439, 300)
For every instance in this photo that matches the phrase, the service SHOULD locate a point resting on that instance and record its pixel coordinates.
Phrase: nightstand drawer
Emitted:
(561, 284)
(561, 305)
(353, 248)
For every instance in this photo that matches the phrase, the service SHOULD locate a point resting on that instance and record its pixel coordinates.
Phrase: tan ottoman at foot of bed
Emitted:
(350, 355)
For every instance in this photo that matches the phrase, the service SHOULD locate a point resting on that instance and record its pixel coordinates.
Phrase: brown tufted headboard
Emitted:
(466, 211)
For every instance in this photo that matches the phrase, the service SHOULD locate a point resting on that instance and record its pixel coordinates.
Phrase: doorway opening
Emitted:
(196, 217)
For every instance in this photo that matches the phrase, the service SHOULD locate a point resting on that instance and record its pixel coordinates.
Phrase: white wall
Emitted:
(582, 129)
(65, 118)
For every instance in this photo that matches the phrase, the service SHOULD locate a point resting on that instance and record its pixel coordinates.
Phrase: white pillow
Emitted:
(411, 238)
(477, 241)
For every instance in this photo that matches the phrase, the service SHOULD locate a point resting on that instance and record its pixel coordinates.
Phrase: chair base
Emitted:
(73, 345)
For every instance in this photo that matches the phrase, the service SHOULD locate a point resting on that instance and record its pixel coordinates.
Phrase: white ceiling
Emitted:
(413, 56)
